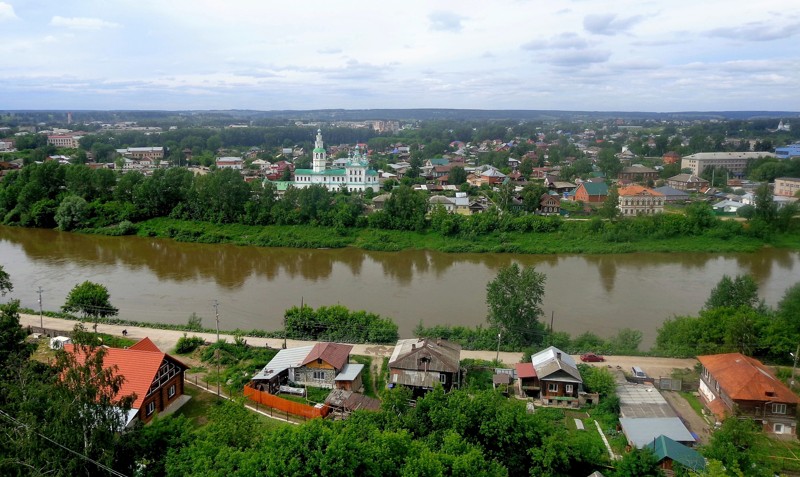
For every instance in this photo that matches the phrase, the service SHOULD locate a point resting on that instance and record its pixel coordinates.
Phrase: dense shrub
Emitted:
(186, 344)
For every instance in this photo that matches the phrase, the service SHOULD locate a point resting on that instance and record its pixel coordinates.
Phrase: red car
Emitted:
(591, 358)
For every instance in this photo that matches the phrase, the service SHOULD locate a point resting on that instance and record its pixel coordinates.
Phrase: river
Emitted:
(165, 281)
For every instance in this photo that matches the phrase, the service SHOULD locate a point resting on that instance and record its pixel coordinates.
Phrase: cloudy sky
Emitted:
(682, 55)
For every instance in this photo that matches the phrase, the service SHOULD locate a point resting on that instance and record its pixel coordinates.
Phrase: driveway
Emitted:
(691, 419)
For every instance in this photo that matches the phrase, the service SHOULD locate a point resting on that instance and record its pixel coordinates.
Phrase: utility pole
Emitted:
(216, 312)
(497, 357)
(41, 320)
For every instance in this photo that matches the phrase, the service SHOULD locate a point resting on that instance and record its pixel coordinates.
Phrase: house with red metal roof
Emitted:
(733, 384)
(322, 364)
(155, 378)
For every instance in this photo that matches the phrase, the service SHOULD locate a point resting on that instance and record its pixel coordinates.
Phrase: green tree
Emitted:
(72, 213)
(765, 208)
(457, 175)
(514, 299)
(732, 444)
(639, 463)
(733, 293)
(597, 380)
(5, 282)
(91, 300)
(609, 208)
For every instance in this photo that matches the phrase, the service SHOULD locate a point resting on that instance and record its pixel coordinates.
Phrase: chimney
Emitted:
(413, 346)
(558, 355)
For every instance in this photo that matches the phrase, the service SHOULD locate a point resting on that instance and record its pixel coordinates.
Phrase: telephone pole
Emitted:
(216, 312)
(497, 358)
(41, 320)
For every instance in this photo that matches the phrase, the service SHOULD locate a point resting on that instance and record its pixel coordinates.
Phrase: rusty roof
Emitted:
(334, 354)
(637, 190)
(138, 367)
(525, 370)
(746, 379)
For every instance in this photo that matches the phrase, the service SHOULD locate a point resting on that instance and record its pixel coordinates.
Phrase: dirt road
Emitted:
(166, 340)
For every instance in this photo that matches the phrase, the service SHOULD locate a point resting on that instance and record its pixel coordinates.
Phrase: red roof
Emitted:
(525, 370)
(138, 366)
(636, 190)
(334, 354)
(746, 379)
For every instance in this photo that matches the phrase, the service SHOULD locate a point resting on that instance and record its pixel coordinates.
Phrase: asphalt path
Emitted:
(166, 340)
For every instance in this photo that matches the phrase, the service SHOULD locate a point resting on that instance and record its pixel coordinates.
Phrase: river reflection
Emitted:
(161, 280)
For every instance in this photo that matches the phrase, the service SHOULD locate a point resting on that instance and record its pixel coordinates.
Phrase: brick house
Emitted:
(635, 200)
(322, 364)
(591, 192)
(638, 174)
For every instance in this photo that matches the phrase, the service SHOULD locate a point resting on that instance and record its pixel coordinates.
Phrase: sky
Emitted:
(579, 55)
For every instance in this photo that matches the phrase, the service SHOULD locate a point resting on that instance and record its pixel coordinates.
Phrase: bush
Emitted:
(186, 345)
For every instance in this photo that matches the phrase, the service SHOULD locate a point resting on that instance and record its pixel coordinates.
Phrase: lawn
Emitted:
(781, 455)
(197, 409)
(693, 401)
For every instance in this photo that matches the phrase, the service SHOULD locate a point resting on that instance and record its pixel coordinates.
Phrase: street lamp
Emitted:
(497, 358)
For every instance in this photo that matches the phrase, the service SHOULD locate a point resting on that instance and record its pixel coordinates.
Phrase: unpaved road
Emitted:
(166, 340)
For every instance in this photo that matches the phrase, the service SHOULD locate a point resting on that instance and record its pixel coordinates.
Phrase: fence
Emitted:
(291, 407)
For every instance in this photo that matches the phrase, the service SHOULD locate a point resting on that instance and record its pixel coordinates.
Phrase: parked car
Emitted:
(591, 358)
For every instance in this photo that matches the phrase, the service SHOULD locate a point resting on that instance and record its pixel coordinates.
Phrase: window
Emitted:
(442, 378)
(568, 388)
(779, 409)
(552, 387)
(318, 374)
(171, 391)
(778, 428)
(151, 407)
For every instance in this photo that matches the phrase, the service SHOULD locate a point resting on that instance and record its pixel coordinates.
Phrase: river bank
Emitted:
(166, 340)
(569, 237)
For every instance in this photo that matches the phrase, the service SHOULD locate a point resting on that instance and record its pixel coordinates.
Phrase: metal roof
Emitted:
(285, 359)
(426, 354)
(642, 431)
(551, 362)
(664, 447)
(334, 354)
(349, 372)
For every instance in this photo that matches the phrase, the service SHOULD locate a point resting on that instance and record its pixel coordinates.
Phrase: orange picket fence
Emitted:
(296, 408)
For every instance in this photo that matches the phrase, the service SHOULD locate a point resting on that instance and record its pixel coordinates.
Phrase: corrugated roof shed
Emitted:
(285, 359)
(525, 370)
(349, 372)
(642, 431)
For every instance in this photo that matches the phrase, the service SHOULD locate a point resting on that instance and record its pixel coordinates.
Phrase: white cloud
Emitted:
(82, 23)
(757, 31)
(7, 12)
(445, 21)
(609, 24)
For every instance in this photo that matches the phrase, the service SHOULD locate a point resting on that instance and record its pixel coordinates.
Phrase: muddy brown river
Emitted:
(165, 281)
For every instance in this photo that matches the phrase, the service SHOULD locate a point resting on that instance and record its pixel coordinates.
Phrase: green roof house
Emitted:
(668, 451)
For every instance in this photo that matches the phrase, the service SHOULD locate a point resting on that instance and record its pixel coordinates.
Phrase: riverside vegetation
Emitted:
(221, 207)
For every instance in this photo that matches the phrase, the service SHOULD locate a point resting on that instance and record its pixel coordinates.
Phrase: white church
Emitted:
(354, 177)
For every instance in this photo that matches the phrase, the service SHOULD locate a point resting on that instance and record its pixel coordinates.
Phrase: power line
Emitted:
(82, 456)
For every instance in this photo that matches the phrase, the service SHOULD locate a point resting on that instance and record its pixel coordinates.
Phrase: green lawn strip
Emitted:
(780, 455)
(694, 402)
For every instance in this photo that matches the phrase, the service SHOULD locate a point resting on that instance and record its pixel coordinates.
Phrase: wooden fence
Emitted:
(291, 407)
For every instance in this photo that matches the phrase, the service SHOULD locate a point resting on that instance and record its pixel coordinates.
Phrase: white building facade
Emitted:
(355, 176)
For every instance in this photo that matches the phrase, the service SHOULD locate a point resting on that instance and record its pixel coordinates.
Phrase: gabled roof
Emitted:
(439, 355)
(637, 170)
(550, 361)
(334, 354)
(595, 188)
(664, 447)
(145, 344)
(746, 379)
(668, 191)
(687, 178)
(139, 367)
(285, 359)
(641, 431)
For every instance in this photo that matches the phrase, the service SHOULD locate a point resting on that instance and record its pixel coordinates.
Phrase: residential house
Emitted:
(322, 365)
(461, 201)
(688, 182)
(636, 200)
(671, 195)
(727, 206)
(556, 185)
(549, 204)
(668, 451)
(228, 162)
(733, 384)
(421, 363)
(558, 377)
(442, 201)
(379, 201)
(591, 192)
(787, 186)
(154, 377)
(315, 365)
(638, 173)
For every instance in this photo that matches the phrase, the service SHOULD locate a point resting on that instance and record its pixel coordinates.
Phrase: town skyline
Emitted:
(511, 55)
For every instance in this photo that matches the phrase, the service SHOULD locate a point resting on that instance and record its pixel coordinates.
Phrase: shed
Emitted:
(349, 377)
(644, 430)
(668, 451)
(59, 341)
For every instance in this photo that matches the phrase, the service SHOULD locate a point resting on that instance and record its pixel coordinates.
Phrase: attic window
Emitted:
(769, 393)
